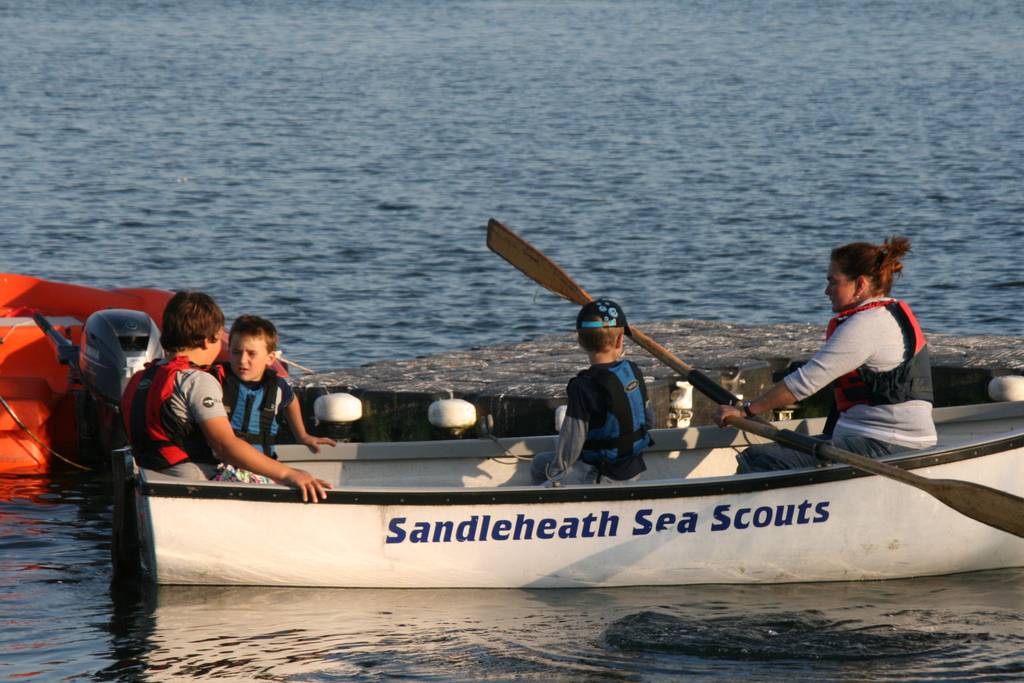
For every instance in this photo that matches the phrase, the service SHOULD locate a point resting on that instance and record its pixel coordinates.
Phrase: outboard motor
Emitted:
(116, 343)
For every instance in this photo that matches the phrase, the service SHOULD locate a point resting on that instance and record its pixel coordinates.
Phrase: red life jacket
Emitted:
(158, 437)
(909, 381)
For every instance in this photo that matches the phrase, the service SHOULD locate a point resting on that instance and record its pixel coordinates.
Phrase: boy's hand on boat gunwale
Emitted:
(313, 443)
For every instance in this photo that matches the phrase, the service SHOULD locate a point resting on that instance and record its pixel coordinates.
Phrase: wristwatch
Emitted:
(745, 407)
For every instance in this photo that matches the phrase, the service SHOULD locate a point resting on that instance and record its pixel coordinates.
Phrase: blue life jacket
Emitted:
(252, 411)
(624, 433)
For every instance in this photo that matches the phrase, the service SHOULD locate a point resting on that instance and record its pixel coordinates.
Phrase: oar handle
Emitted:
(704, 384)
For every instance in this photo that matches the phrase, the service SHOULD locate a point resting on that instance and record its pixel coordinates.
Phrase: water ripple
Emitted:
(794, 636)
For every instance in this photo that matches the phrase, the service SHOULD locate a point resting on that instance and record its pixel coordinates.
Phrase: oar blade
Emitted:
(996, 508)
(531, 262)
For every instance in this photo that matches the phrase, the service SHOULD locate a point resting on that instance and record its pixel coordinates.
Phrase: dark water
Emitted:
(332, 165)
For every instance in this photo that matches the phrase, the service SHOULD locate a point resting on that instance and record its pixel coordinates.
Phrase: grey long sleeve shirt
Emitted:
(872, 338)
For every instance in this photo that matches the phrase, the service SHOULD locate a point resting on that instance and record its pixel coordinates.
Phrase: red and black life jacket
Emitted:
(911, 380)
(158, 437)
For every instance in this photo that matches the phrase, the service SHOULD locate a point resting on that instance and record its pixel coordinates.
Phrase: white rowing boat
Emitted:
(463, 514)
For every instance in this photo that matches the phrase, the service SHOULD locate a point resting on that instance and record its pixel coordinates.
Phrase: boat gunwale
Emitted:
(641, 490)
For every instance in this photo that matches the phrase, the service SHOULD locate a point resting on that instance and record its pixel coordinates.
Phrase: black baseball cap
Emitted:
(601, 313)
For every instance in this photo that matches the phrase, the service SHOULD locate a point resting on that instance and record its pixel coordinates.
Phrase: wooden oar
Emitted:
(990, 506)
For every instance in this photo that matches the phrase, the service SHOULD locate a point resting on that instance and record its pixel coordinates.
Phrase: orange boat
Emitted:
(48, 404)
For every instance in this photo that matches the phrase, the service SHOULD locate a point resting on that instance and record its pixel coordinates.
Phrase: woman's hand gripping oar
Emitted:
(990, 506)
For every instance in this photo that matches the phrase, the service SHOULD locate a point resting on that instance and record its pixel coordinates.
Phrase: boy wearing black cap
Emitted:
(605, 429)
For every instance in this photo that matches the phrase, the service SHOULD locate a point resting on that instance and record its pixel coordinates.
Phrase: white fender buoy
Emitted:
(559, 417)
(682, 399)
(680, 405)
(337, 408)
(452, 413)
(1006, 388)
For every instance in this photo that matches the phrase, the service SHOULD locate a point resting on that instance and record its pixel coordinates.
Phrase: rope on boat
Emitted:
(483, 429)
(497, 458)
(17, 420)
(289, 361)
(13, 328)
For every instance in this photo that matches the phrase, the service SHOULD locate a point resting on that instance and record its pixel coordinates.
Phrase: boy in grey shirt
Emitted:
(173, 409)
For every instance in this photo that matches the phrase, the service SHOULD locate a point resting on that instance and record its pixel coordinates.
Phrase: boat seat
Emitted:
(55, 320)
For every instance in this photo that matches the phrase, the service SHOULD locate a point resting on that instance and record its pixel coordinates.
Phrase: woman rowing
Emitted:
(876, 358)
